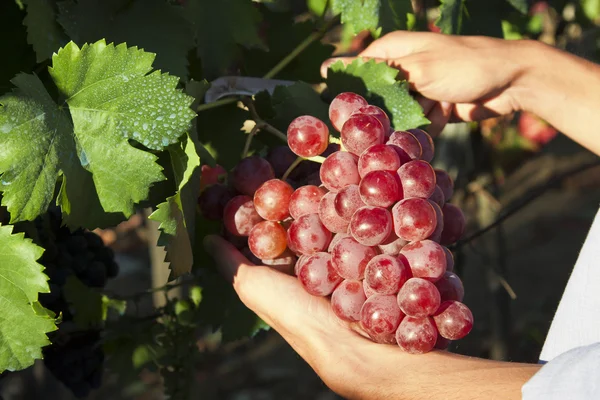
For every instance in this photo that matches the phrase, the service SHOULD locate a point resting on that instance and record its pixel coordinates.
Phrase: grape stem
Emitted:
(260, 123)
(218, 103)
(297, 161)
(335, 140)
(251, 135)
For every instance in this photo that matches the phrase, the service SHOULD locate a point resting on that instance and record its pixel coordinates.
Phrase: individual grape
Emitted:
(250, 173)
(361, 131)
(438, 195)
(442, 343)
(454, 224)
(267, 240)
(329, 216)
(377, 113)
(317, 275)
(453, 320)
(414, 219)
(407, 142)
(339, 170)
(380, 188)
(307, 235)
(426, 144)
(212, 201)
(211, 176)
(305, 200)
(307, 136)
(239, 242)
(392, 245)
(95, 274)
(378, 157)
(417, 179)
(445, 182)
(250, 255)
(347, 300)
(272, 200)
(386, 274)
(426, 259)
(418, 298)
(450, 287)
(449, 259)
(416, 335)
(371, 226)
(350, 258)
(336, 238)
(240, 216)
(347, 201)
(380, 317)
(284, 262)
(436, 235)
(369, 291)
(342, 106)
(301, 260)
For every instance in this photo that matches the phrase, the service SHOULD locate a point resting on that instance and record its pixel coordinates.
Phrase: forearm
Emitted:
(562, 89)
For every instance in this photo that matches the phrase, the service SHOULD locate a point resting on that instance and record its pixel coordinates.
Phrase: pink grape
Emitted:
(417, 178)
(454, 224)
(404, 158)
(442, 343)
(371, 226)
(339, 170)
(449, 259)
(250, 173)
(453, 320)
(416, 335)
(414, 219)
(301, 260)
(378, 157)
(438, 195)
(347, 300)
(317, 275)
(380, 317)
(267, 240)
(336, 238)
(426, 259)
(350, 258)
(305, 200)
(418, 298)
(307, 136)
(386, 274)
(272, 200)
(377, 113)
(347, 201)
(369, 291)
(407, 142)
(307, 235)
(380, 188)
(361, 131)
(445, 182)
(450, 287)
(392, 245)
(213, 199)
(330, 218)
(240, 216)
(426, 144)
(211, 175)
(436, 235)
(342, 106)
(284, 262)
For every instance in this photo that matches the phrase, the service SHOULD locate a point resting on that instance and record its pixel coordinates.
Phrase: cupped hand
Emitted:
(457, 78)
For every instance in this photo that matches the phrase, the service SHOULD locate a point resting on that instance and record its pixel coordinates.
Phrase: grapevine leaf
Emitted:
(220, 27)
(113, 99)
(591, 9)
(377, 82)
(396, 14)
(317, 7)
(153, 25)
(43, 32)
(177, 214)
(197, 89)
(24, 324)
(283, 35)
(89, 310)
(451, 16)
(520, 5)
(377, 16)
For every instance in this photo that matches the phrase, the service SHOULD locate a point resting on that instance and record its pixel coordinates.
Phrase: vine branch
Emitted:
(260, 123)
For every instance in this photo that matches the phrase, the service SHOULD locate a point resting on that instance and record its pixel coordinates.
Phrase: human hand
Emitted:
(456, 78)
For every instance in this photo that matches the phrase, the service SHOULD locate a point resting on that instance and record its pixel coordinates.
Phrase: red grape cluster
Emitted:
(367, 226)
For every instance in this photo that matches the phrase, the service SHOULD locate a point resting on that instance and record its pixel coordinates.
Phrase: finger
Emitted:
(439, 117)
(425, 103)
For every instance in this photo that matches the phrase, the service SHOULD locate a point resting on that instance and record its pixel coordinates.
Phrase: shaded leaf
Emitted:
(43, 32)
(451, 16)
(87, 303)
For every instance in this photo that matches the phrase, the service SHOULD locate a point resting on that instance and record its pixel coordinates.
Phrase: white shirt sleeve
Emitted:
(572, 347)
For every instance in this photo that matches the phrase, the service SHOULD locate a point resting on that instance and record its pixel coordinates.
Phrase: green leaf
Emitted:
(591, 9)
(177, 214)
(283, 35)
(87, 303)
(377, 16)
(520, 5)
(451, 16)
(221, 26)
(396, 14)
(24, 324)
(43, 32)
(113, 99)
(317, 7)
(153, 25)
(377, 82)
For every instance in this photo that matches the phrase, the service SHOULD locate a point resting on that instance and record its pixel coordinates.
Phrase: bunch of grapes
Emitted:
(367, 227)
(76, 357)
